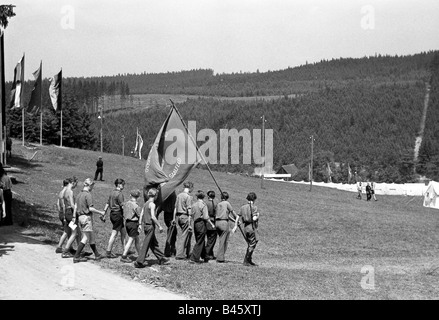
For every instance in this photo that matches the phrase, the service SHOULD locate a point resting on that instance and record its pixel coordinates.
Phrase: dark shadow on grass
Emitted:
(5, 248)
(22, 163)
(36, 216)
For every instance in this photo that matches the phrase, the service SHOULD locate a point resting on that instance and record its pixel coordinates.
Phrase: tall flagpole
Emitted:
(3, 97)
(60, 101)
(22, 124)
(311, 166)
(21, 101)
(202, 156)
(263, 150)
(61, 130)
(41, 104)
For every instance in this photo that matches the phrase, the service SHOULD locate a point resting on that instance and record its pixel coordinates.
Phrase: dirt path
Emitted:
(30, 269)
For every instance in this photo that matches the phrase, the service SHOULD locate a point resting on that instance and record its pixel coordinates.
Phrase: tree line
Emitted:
(80, 100)
(372, 70)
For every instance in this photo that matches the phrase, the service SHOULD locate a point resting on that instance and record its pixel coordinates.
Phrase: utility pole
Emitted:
(123, 145)
(311, 166)
(100, 117)
(263, 150)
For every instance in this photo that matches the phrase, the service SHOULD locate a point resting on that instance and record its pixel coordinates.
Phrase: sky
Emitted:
(107, 37)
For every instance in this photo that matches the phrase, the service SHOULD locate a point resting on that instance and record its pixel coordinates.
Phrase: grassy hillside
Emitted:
(313, 245)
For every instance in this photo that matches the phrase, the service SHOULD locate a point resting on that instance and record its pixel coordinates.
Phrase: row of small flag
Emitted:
(35, 102)
(330, 172)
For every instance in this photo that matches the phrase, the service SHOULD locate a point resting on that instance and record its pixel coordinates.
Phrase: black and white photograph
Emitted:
(223, 157)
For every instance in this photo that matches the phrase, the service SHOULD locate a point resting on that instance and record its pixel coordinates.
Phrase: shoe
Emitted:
(72, 251)
(178, 258)
(85, 254)
(211, 257)
(193, 261)
(111, 255)
(139, 265)
(67, 255)
(130, 252)
(125, 260)
(101, 180)
(221, 261)
(76, 260)
(58, 250)
(99, 257)
(163, 261)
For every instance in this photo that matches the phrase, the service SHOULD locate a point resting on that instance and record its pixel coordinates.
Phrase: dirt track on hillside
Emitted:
(30, 269)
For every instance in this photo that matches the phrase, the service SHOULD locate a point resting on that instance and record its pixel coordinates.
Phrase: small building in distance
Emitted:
(288, 169)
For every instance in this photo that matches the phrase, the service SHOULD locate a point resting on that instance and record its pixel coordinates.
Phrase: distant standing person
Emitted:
(148, 220)
(372, 188)
(99, 169)
(8, 146)
(368, 192)
(359, 190)
(183, 214)
(7, 196)
(250, 215)
(85, 209)
(211, 230)
(115, 205)
(224, 208)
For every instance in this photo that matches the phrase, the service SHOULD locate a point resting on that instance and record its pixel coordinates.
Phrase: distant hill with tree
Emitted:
(374, 70)
(362, 112)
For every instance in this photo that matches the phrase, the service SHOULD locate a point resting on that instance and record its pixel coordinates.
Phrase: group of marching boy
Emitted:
(202, 215)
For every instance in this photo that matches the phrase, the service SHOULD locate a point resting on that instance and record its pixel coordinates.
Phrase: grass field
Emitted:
(313, 245)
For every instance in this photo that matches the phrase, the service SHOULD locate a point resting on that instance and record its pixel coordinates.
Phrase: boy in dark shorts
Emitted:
(115, 204)
(131, 214)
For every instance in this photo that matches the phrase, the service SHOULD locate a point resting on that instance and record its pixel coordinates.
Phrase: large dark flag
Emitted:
(34, 105)
(17, 89)
(171, 158)
(55, 91)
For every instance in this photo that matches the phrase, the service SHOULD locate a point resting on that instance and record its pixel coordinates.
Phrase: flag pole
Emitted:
(60, 102)
(21, 102)
(61, 131)
(22, 124)
(3, 97)
(208, 168)
(41, 104)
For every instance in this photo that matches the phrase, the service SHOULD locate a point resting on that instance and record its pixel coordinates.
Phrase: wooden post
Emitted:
(312, 151)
